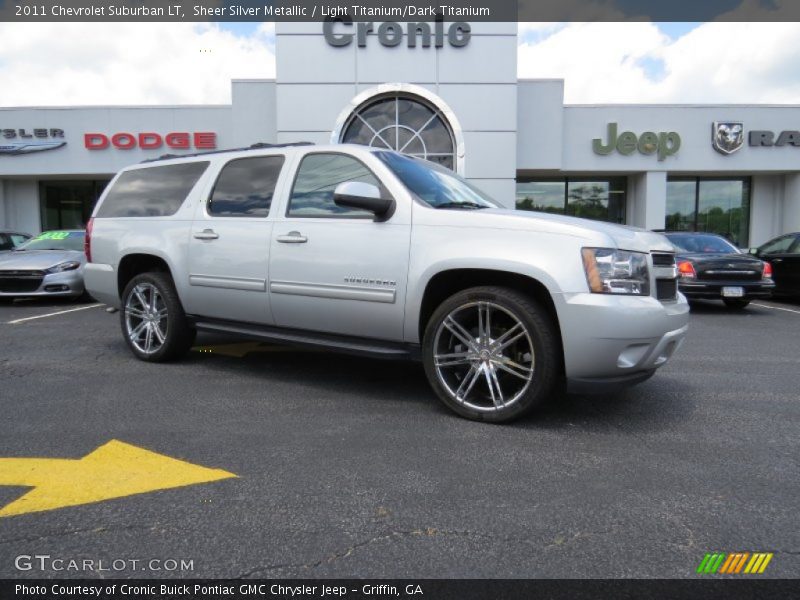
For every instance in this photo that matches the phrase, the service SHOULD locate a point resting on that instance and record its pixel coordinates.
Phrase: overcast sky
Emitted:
(46, 64)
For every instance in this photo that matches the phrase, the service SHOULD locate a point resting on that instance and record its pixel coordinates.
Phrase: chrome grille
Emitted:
(20, 282)
(666, 275)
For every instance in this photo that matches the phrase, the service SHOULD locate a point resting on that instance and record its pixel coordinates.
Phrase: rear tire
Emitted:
(492, 354)
(736, 304)
(152, 319)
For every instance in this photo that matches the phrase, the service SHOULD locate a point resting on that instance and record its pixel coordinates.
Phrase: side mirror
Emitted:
(753, 251)
(363, 196)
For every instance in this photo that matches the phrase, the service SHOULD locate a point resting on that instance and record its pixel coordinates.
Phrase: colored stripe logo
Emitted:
(734, 563)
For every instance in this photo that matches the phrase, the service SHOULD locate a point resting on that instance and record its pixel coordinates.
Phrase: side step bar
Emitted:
(296, 337)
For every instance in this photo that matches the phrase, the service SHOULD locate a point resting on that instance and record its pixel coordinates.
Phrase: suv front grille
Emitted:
(666, 289)
(663, 259)
(20, 282)
(666, 275)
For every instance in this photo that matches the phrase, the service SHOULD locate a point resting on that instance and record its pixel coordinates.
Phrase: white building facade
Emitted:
(447, 92)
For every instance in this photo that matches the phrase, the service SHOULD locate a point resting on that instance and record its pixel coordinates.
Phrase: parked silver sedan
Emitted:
(50, 264)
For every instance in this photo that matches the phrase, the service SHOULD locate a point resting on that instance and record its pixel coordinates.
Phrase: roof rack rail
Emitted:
(256, 146)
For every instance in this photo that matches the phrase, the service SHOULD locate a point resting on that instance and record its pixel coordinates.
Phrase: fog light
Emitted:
(56, 288)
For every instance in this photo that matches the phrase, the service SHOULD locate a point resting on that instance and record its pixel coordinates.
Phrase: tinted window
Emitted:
(705, 244)
(55, 240)
(778, 246)
(245, 187)
(151, 192)
(5, 242)
(318, 176)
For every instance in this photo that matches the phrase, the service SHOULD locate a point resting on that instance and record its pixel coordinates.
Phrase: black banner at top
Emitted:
(398, 10)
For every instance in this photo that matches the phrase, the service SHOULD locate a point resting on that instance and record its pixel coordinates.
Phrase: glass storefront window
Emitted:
(543, 196)
(711, 205)
(68, 204)
(598, 199)
(681, 215)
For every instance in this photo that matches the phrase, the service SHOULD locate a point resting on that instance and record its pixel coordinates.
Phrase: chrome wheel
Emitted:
(483, 356)
(146, 318)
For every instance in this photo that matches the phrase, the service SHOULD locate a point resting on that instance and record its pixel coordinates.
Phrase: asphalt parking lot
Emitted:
(348, 467)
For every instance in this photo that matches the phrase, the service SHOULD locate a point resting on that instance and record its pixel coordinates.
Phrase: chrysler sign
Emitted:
(27, 141)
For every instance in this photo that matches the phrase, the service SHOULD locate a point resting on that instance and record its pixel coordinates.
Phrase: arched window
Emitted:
(404, 123)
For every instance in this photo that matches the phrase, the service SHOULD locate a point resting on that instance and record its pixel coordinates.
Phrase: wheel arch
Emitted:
(447, 282)
(136, 263)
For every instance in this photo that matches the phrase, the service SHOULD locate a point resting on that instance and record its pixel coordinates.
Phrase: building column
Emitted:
(3, 217)
(790, 221)
(647, 204)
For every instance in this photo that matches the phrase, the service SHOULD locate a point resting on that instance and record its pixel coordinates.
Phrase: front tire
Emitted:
(153, 322)
(491, 354)
(736, 304)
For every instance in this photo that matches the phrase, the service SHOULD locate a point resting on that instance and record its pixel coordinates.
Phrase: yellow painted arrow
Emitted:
(114, 470)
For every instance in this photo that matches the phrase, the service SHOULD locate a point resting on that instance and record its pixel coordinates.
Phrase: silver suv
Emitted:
(375, 253)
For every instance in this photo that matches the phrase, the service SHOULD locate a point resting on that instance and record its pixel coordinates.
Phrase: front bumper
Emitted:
(53, 285)
(615, 341)
(712, 290)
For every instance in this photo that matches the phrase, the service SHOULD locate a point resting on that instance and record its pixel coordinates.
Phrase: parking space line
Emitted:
(60, 312)
(791, 310)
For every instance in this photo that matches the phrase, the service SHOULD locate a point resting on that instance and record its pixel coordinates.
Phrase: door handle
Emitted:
(777, 260)
(206, 234)
(293, 237)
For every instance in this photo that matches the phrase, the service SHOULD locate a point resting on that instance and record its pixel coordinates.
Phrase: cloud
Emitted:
(51, 64)
(636, 62)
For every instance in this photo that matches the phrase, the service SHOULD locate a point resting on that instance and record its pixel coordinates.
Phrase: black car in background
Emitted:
(783, 254)
(712, 268)
(12, 239)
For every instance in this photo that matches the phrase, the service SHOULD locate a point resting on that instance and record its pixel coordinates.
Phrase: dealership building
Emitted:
(447, 92)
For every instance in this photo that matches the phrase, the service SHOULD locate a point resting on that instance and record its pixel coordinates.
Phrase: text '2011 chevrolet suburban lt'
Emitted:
(380, 254)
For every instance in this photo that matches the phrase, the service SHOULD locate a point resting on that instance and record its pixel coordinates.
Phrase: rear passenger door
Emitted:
(230, 242)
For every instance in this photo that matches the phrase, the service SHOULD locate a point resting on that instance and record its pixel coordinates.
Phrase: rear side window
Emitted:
(245, 187)
(5, 242)
(151, 192)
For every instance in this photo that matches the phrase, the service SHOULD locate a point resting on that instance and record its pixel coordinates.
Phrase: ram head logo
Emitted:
(728, 136)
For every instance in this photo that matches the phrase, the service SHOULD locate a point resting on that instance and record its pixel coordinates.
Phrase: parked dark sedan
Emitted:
(710, 267)
(783, 255)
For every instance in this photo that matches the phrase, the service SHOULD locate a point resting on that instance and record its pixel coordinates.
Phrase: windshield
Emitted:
(435, 185)
(702, 244)
(55, 240)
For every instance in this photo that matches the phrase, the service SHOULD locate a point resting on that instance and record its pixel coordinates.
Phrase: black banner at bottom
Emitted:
(406, 589)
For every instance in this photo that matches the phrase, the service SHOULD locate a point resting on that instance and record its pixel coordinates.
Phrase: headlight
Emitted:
(610, 271)
(70, 265)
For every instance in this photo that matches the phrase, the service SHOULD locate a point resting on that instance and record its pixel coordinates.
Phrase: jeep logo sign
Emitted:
(338, 32)
(661, 144)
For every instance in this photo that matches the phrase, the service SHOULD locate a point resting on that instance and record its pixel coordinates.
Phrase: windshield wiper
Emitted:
(467, 205)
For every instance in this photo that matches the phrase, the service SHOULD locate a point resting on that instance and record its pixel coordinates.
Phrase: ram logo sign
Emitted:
(727, 136)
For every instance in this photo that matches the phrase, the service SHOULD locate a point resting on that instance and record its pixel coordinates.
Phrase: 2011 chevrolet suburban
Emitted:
(376, 253)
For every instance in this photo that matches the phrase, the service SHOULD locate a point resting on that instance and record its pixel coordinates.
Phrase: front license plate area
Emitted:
(732, 292)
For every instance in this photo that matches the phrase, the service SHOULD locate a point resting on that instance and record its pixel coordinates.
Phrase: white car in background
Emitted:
(49, 265)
